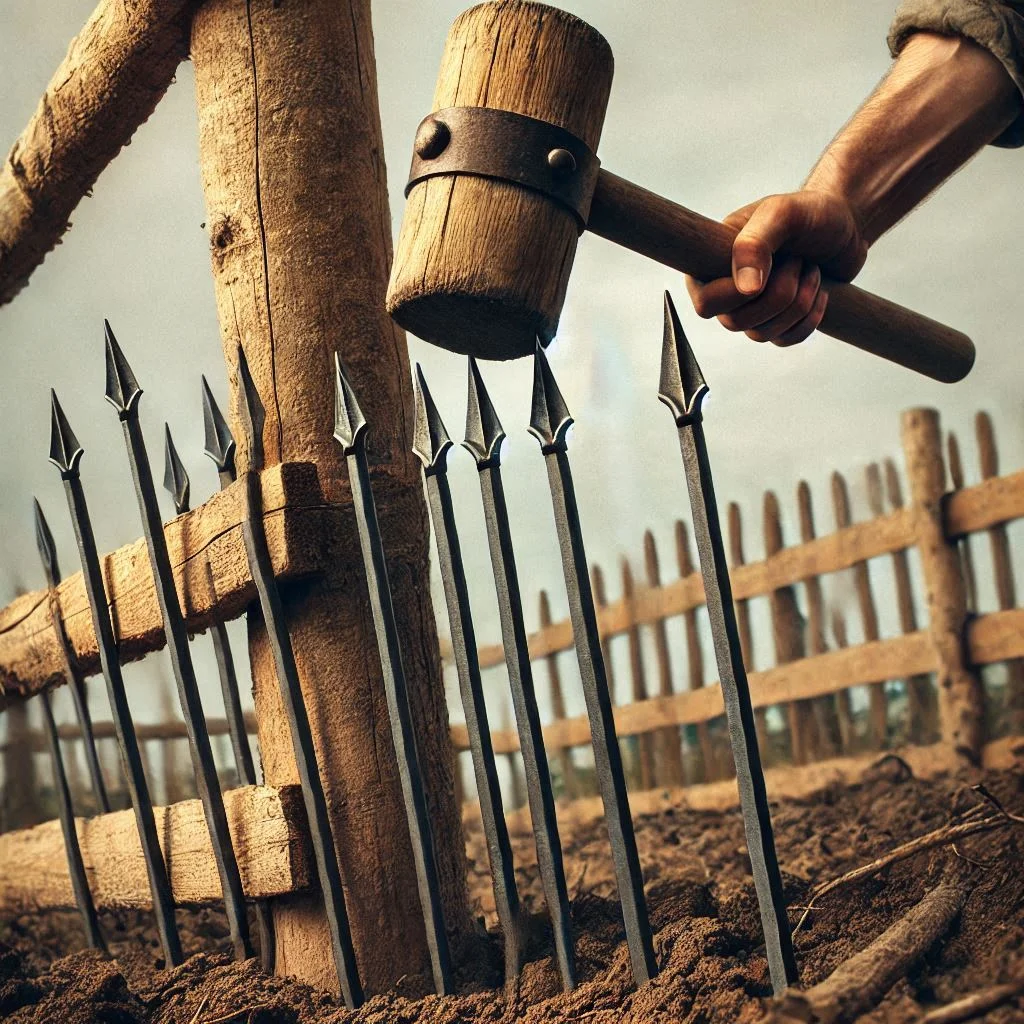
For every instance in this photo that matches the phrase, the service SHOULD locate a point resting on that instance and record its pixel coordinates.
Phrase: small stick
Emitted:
(975, 1004)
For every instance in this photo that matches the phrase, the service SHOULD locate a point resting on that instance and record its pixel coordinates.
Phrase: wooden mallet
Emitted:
(505, 178)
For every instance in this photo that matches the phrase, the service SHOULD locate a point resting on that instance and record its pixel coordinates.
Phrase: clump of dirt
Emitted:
(703, 910)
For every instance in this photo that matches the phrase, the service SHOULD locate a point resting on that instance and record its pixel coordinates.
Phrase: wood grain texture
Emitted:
(115, 72)
(268, 832)
(482, 265)
(210, 570)
(961, 701)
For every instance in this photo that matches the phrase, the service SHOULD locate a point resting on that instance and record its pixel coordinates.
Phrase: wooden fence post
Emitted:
(847, 733)
(788, 630)
(563, 755)
(956, 479)
(961, 701)
(1002, 567)
(295, 185)
(19, 808)
(638, 677)
(669, 761)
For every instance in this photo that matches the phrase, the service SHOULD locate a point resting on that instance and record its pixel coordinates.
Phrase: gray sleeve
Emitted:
(998, 25)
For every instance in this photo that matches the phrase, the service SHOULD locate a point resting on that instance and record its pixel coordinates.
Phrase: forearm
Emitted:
(944, 99)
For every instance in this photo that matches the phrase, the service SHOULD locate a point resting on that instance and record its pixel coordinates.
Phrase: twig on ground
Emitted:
(975, 1004)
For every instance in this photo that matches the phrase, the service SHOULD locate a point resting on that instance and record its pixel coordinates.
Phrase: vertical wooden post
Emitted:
(878, 710)
(961, 702)
(562, 755)
(788, 630)
(669, 740)
(956, 479)
(300, 231)
(638, 678)
(1002, 567)
(827, 711)
(19, 808)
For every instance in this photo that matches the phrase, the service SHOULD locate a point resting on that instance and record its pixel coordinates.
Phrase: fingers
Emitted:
(806, 327)
(770, 225)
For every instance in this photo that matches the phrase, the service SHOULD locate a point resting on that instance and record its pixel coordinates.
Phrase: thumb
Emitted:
(769, 227)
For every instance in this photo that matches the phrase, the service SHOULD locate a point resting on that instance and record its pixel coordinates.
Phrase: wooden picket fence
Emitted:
(809, 716)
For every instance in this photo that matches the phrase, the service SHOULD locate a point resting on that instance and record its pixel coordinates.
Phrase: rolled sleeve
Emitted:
(998, 25)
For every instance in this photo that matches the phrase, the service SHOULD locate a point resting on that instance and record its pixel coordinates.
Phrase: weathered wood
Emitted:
(638, 679)
(115, 72)
(561, 754)
(19, 805)
(788, 633)
(1002, 568)
(921, 702)
(297, 215)
(669, 761)
(532, 60)
(847, 728)
(961, 701)
(268, 832)
(983, 505)
(827, 711)
(210, 572)
(878, 711)
(956, 479)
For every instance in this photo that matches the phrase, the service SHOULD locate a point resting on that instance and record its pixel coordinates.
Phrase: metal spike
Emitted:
(484, 436)
(549, 416)
(175, 476)
(484, 432)
(549, 425)
(220, 444)
(350, 430)
(682, 387)
(203, 764)
(138, 790)
(253, 414)
(123, 391)
(349, 421)
(431, 445)
(51, 570)
(430, 440)
(65, 451)
(707, 530)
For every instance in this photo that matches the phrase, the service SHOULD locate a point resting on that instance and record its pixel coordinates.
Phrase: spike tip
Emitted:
(123, 391)
(65, 451)
(430, 440)
(549, 417)
(253, 414)
(349, 422)
(484, 432)
(175, 477)
(47, 548)
(682, 387)
(220, 445)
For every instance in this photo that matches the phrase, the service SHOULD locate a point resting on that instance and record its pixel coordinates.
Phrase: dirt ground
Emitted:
(702, 907)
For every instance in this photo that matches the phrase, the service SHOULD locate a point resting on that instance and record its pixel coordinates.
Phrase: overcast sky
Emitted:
(712, 105)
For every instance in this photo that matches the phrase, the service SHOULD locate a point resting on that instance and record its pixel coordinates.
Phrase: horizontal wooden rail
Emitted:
(211, 573)
(268, 831)
(994, 501)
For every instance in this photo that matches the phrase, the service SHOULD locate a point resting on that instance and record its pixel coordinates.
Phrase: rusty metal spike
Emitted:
(550, 419)
(175, 477)
(682, 386)
(349, 421)
(65, 451)
(430, 440)
(47, 548)
(484, 432)
(220, 443)
(123, 391)
(253, 414)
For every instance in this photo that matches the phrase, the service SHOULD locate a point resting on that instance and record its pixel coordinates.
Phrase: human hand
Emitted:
(781, 300)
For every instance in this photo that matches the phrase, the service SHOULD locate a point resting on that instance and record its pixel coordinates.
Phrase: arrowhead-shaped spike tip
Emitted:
(65, 451)
(47, 548)
(682, 387)
(349, 422)
(175, 477)
(220, 445)
(123, 391)
(549, 418)
(253, 413)
(484, 432)
(430, 440)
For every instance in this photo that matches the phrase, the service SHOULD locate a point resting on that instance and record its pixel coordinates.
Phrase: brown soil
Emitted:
(702, 907)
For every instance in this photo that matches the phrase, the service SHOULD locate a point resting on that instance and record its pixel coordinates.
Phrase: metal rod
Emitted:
(51, 569)
(683, 389)
(123, 393)
(76, 868)
(484, 435)
(176, 481)
(350, 429)
(431, 444)
(313, 796)
(549, 423)
(66, 454)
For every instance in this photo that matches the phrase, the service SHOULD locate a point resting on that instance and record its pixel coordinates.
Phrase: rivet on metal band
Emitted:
(500, 144)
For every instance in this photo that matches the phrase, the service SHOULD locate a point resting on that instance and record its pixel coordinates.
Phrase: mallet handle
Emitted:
(679, 238)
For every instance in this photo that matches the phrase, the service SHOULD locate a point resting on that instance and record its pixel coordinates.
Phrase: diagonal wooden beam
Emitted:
(116, 70)
(211, 572)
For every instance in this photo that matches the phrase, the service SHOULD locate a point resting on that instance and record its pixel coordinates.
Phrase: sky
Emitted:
(713, 105)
